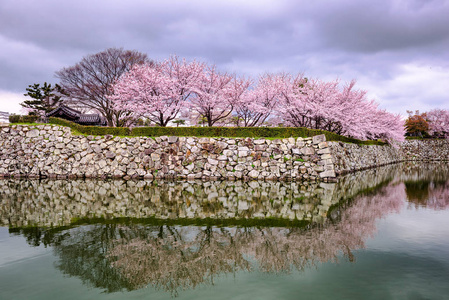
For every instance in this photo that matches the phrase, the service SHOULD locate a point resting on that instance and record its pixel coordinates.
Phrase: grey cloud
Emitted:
(345, 39)
(380, 26)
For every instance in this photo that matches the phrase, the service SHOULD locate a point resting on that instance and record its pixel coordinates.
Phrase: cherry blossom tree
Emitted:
(318, 104)
(386, 126)
(438, 123)
(350, 105)
(311, 103)
(214, 97)
(163, 91)
(158, 92)
(257, 105)
(363, 119)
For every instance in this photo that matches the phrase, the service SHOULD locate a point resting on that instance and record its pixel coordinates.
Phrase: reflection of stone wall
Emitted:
(59, 202)
(52, 151)
(424, 171)
(127, 255)
(163, 262)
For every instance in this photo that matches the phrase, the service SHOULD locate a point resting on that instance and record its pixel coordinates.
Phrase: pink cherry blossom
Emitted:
(157, 92)
(438, 122)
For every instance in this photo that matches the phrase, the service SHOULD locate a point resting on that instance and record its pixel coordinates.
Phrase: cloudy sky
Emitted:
(397, 50)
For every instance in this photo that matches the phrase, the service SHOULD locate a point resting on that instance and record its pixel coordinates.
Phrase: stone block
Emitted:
(259, 142)
(319, 168)
(253, 174)
(322, 145)
(324, 151)
(295, 151)
(228, 152)
(318, 139)
(32, 133)
(326, 156)
(308, 151)
(148, 176)
(212, 161)
(243, 153)
(260, 147)
(204, 140)
(328, 173)
(172, 139)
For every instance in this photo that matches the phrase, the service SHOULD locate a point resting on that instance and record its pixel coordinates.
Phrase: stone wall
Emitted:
(53, 151)
(428, 150)
(350, 157)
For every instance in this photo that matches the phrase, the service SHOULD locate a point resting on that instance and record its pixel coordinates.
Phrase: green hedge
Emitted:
(253, 132)
(91, 130)
(23, 119)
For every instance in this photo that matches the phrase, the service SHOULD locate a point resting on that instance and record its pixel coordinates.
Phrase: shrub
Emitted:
(91, 130)
(241, 132)
(14, 118)
(23, 119)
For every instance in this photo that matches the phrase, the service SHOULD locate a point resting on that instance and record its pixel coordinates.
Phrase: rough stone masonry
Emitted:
(54, 152)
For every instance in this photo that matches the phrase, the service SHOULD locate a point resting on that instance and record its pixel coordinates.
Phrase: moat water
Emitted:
(377, 234)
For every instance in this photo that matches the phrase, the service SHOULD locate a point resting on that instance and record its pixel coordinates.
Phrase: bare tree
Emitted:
(89, 82)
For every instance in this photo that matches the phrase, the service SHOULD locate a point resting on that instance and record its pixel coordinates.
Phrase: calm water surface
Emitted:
(377, 234)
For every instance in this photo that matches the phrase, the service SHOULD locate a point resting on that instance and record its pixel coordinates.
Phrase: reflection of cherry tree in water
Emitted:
(129, 256)
(427, 185)
(179, 258)
(82, 252)
(172, 258)
(430, 194)
(439, 196)
(280, 250)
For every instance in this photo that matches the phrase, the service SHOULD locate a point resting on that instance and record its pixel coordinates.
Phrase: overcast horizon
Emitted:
(398, 51)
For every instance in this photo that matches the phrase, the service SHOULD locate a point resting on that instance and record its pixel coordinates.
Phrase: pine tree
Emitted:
(44, 98)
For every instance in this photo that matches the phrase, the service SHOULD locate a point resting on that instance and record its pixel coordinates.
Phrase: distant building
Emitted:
(70, 114)
(4, 117)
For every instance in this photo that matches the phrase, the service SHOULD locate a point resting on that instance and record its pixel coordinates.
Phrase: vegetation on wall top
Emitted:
(237, 132)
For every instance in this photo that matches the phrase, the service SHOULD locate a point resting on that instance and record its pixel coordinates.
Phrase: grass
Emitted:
(28, 124)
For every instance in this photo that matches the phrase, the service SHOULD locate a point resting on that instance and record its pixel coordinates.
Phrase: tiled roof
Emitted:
(76, 116)
(64, 111)
(88, 119)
